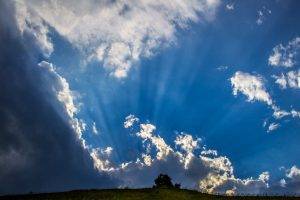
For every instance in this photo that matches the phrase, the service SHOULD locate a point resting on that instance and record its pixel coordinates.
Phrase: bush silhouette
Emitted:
(163, 180)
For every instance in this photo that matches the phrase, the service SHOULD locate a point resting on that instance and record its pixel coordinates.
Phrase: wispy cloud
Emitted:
(273, 127)
(230, 6)
(252, 86)
(284, 56)
(262, 15)
(290, 79)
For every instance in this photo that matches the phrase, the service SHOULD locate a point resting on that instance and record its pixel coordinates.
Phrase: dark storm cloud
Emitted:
(39, 151)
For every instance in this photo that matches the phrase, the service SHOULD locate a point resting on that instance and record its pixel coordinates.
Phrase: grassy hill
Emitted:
(135, 194)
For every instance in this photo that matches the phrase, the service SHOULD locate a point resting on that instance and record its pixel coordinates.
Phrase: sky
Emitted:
(109, 94)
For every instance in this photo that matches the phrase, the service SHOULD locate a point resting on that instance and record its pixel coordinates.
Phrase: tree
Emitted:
(163, 180)
(177, 185)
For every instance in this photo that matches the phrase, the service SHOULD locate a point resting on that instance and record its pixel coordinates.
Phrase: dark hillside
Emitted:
(135, 194)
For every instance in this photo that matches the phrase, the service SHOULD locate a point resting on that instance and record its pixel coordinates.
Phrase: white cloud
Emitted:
(29, 24)
(222, 68)
(205, 172)
(278, 113)
(259, 20)
(120, 33)
(147, 159)
(280, 80)
(209, 152)
(107, 151)
(250, 85)
(130, 120)
(295, 113)
(146, 133)
(186, 142)
(293, 173)
(290, 79)
(292, 181)
(230, 6)
(282, 182)
(285, 55)
(262, 14)
(61, 89)
(265, 176)
(101, 160)
(253, 88)
(273, 127)
(94, 129)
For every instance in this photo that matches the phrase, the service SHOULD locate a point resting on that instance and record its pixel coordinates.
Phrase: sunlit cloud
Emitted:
(128, 31)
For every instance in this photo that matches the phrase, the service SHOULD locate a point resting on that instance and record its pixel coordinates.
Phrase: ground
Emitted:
(134, 194)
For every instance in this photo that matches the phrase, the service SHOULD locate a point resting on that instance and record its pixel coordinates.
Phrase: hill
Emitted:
(136, 194)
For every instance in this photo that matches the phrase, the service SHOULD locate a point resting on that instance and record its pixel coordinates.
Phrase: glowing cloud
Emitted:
(127, 31)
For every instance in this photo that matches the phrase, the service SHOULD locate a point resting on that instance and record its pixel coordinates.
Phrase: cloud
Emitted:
(253, 88)
(284, 56)
(230, 6)
(222, 68)
(127, 31)
(130, 120)
(60, 88)
(39, 149)
(101, 159)
(290, 79)
(94, 129)
(272, 127)
(32, 27)
(186, 142)
(290, 184)
(206, 172)
(146, 133)
(250, 85)
(261, 15)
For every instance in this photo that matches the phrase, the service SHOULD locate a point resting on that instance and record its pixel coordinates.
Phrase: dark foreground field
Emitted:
(151, 194)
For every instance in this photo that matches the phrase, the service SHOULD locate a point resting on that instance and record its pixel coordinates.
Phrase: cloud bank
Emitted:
(39, 149)
(188, 162)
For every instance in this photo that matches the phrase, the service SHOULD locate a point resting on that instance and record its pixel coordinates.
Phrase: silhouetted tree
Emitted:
(177, 185)
(163, 180)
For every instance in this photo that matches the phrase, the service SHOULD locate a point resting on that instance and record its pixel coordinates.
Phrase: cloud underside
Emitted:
(188, 163)
(124, 32)
(205, 171)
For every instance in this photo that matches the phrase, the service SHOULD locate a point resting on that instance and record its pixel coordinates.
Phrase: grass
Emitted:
(136, 194)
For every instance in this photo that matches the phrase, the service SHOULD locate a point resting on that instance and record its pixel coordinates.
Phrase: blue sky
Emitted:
(176, 71)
